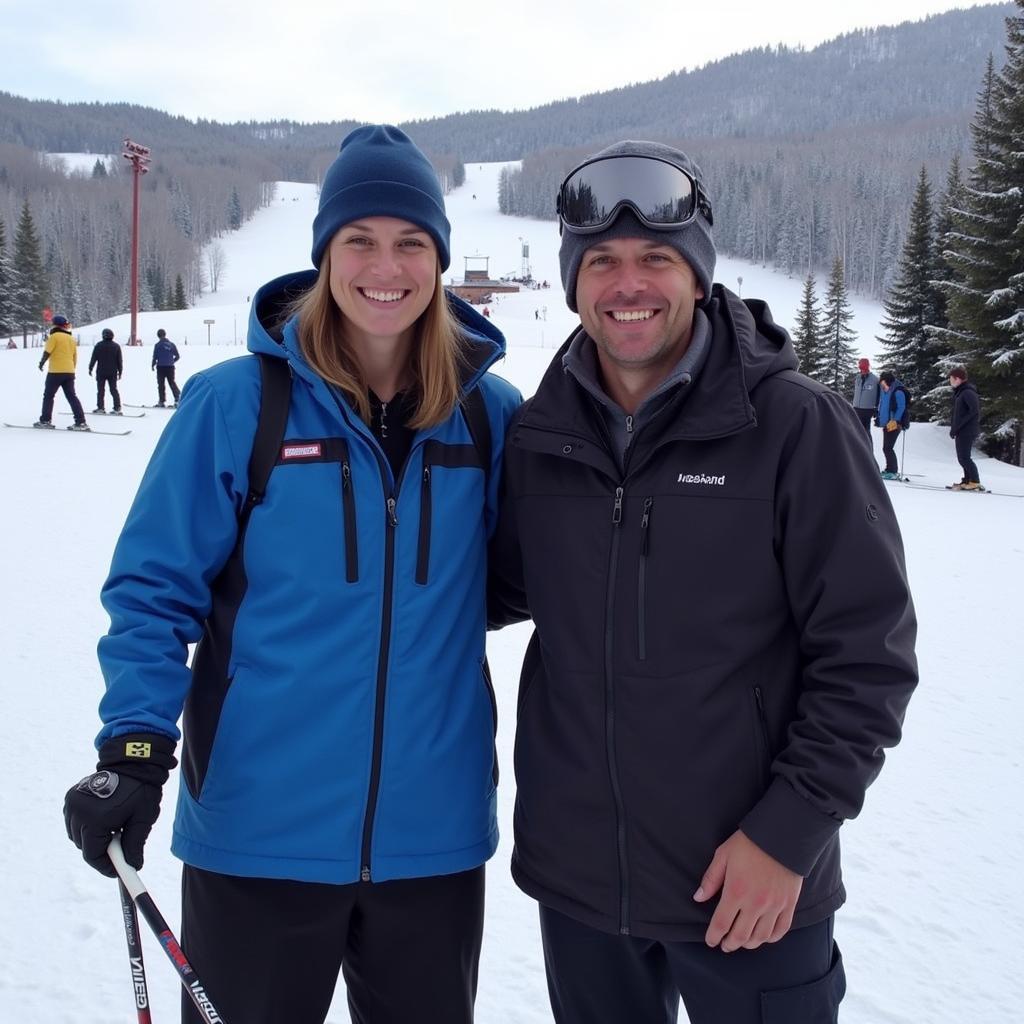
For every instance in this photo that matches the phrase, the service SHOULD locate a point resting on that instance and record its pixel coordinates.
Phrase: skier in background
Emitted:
(165, 355)
(892, 408)
(865, 395)
(109, 365)
(964, 427)
(61, 351)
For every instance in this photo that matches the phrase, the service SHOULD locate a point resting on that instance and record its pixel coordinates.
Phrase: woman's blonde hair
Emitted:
(435, 360)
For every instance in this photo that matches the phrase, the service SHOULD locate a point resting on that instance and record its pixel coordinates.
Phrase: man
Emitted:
(964, 428)
(165, 355)
(109, 365)
(892, 408)
(714, 676)
(61, 351)
(865, 395)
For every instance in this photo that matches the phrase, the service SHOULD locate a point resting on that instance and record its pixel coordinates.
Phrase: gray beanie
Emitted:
(693, 242)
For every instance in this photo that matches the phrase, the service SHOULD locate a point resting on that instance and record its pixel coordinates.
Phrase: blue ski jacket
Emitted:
(891, 404)
(343, 726)
(165, 353)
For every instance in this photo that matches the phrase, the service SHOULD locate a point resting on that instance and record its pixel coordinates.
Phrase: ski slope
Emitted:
(933, 928)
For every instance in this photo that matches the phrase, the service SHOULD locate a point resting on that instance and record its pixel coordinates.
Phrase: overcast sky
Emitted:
(384, 60)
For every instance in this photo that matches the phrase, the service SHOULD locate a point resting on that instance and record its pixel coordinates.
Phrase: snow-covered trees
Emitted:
(985, 250)
(839, 362)
(807, 332)
(914, 307)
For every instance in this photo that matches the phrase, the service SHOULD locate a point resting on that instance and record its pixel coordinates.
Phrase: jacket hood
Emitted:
(747, 346)
(271, 333)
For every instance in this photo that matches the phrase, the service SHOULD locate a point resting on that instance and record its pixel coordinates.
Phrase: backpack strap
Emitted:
(275, 400)
(474, 411)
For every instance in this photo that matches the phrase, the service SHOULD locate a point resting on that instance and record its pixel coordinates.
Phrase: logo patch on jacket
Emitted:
(301, 451)
(701, 478)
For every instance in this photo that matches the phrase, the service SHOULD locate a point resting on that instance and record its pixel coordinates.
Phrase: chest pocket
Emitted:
(438, 460)
(331, 450)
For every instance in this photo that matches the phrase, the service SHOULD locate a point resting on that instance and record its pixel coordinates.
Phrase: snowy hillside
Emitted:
(934, 866)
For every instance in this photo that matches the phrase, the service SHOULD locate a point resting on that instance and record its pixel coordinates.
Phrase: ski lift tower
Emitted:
(138, 157)
(524, 273)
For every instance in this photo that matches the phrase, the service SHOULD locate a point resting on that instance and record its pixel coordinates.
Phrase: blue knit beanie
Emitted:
(694, 241)
(380, 172)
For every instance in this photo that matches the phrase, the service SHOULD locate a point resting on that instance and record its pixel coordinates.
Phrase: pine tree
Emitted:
(913, 305)
(180, 302)
(99, 169)
(6, 284)
(986, 304)
(953, 199)
(30, 290)
(838, 337)
(807, 332)
(234, 210)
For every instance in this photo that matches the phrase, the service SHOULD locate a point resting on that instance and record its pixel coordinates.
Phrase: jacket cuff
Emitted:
(788, 828)
(148, 757)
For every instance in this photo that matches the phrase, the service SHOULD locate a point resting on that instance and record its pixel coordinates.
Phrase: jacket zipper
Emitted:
(390, 523)
(423, 545)
(613, 772)
(641, 596)
(762, 735)
(486, 672)
(348, 499)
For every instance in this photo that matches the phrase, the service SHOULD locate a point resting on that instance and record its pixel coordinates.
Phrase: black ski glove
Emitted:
(122, 795)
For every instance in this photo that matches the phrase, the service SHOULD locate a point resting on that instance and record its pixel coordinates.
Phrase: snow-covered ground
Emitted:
(934, 865)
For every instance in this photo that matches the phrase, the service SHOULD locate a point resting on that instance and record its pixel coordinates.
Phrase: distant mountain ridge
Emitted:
(909, 72)
(808, 154)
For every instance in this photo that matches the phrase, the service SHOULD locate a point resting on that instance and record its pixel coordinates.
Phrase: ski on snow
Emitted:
(44, 430)
(948, 487)
(112, 415)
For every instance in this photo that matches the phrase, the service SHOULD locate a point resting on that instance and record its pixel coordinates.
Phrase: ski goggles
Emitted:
(662, 195)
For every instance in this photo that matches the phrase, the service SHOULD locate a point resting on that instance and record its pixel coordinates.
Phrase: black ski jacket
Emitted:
(724, 636)
(965, 418)
(106, 358)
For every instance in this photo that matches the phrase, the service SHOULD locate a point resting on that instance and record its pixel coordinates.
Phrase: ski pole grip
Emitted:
(128, 875)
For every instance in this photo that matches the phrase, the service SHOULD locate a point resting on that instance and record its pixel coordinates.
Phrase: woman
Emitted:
(337, 801)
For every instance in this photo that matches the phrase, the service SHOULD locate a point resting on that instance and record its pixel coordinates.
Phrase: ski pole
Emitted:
(141, 899)
(903, 452)
(135, 960)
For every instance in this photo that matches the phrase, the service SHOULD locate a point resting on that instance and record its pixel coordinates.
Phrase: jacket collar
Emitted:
(746, 346)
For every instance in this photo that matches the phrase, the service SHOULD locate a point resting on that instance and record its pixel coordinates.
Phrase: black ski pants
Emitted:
(598, 978)
(102, 382)
(268, 951)
(889, 439)
(165, 375)
(61, 382)
(866, 417)
(963, 456)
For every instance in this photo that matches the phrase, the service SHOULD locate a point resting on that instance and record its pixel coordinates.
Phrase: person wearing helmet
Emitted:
(108, 363)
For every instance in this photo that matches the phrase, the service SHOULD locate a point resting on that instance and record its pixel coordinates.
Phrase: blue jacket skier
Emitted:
(337, 800)
(165, 355)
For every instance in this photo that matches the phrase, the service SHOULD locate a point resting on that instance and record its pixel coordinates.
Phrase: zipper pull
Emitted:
(392, 518)
(364, 875)
(346, 475)
(426, 476)
(617, 511)
(629, 424)
(648, 504)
